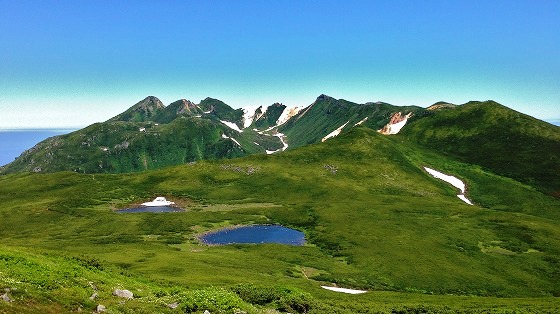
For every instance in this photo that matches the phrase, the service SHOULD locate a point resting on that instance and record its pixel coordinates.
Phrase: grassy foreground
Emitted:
(374, 220)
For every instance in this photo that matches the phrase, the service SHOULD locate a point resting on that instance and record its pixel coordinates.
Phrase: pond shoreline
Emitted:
(203, 237)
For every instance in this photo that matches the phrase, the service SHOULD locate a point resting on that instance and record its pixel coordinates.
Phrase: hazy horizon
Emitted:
(69, 64)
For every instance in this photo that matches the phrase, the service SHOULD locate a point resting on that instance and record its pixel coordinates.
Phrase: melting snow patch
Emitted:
(396, 128)
(344, 290)
(281, 136)
(464, 199)
(231, 125)
(234, 140)
(396, 123)
(335, 132)
(287, 114)
(451, 180)
(249, 115)
(362, 121)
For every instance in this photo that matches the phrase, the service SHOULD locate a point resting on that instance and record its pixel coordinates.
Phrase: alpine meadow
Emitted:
(374, 187)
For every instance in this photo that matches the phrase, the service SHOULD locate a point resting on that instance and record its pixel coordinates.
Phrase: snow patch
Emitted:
(249, 115)
(334, 133)
(158, 201)
(361, 121)
(464, 199)
(281, 136)
(396, 124)
(451, 180)
(306, 110)
(234, 140)
(396, 128)
(344, 290)
(231, 125)
(287, 114)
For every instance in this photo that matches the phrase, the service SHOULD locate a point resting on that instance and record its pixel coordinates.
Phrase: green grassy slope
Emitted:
(502, 140)
(144, 110)
(374, 219)
(327, 114)
(122, 147)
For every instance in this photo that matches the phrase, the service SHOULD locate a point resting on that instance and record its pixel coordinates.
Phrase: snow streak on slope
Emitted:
(281, 136)
(234, 140)
(451, 180)
(231, 125)
(335, 132)
(344, 290)
(361, 121)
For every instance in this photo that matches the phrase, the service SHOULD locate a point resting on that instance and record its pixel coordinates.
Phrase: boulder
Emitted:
(173, 305)
(93, 296)
(123, 294)
(5, 297)
(100, 308)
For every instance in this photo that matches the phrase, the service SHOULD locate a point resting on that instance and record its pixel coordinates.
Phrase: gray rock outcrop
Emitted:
(123, 294)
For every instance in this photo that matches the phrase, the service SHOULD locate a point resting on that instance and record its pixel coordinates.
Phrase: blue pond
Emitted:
(255, 234)
(150, 209)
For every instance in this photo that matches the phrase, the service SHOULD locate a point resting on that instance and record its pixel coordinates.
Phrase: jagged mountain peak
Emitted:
(324, 97)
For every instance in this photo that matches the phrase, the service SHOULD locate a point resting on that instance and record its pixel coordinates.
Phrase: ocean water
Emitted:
(15, 142)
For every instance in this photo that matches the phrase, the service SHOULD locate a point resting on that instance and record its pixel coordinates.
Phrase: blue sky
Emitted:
(72, 63)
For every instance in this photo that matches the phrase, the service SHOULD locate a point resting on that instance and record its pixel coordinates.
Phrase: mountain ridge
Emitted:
(149, 135)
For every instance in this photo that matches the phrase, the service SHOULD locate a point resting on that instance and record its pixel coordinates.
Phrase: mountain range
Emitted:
(150, 135)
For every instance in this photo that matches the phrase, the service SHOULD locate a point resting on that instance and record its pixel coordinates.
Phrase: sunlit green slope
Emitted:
(501, 140)
(374, 219)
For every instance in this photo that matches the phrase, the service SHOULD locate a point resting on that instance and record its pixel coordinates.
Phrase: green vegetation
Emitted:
(327, 114)
(374, 219)
(503, 141)
(151, 136)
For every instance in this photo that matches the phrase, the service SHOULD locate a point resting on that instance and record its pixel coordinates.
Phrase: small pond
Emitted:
(255, 234)
(150, 209)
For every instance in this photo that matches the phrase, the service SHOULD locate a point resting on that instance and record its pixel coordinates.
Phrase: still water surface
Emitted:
(255, 234)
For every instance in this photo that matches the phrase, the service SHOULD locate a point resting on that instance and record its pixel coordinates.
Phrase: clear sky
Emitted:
(72, 63)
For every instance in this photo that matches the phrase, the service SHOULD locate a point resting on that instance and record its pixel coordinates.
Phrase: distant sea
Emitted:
(14, 142)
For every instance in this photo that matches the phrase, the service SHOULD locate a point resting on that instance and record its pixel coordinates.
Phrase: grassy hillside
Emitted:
(144, 110)
(373, 217)
(502, 140)
(126, 146)
(327, 114)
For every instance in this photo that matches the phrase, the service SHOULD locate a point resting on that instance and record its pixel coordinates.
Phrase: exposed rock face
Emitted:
(187, 106)
(441, 105)
(123, 294)
(395, 124)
